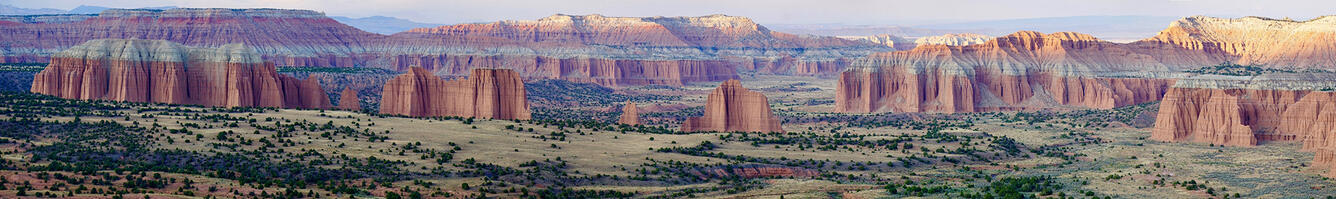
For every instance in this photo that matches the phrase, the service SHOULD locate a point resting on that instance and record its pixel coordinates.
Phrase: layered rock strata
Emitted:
(1246, 111)
(610, 51)
(732, 108)
(1022, 71)
(486, 93)
(629, 114)
(166, 72)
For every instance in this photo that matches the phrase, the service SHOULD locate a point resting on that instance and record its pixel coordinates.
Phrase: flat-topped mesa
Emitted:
(487, 93)
(629, 114)
(1022, 71)
(574, 41)
(732, 108)
(166, 72)
(1246, 111)
(1257, 40)
(285, 37)
(348, 100)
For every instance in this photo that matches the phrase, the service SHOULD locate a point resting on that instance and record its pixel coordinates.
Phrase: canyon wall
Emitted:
(1247, 111)
(166, 72)
(1021, 71)
(732, 108)
(611, 51)
(486, 93)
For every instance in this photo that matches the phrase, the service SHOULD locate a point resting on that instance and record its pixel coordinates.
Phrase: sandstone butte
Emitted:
(629, 114)
(732, 108)
(165, 72)
(611, 51)
(348, 100)
(486, 93)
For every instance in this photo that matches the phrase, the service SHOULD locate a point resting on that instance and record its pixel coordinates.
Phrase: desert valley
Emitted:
(292, 103)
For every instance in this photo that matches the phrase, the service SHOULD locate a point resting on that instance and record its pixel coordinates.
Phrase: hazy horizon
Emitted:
(841, 12)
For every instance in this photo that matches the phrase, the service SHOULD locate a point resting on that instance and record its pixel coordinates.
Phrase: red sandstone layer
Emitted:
(165, 72)
(487, 93)
(732, 108)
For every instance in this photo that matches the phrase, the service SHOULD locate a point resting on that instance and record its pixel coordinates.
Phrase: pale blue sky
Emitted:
(764, 11)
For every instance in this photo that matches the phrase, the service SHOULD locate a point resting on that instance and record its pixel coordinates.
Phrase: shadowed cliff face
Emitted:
(487, 93)
(166, 72)
(732, 108)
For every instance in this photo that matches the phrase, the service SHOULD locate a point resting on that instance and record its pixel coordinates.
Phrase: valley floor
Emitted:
(95, 149)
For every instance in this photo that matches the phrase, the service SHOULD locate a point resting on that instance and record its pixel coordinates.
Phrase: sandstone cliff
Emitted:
(610, 51)
(486, 93)
(732, 108)
(1246, 111)
(285, 37)
(629, 114)
(1025, 70)
(165, 72)
(348, 100)
(1257, 40)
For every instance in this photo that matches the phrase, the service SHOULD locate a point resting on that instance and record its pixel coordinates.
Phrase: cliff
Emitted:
(1021, 71)
(1246, 111)
(629, 114)
(963, 39)
(166, 72)
(486, 93)
(1257, 40)
(732, 108)
(611, 51)
(285, 37)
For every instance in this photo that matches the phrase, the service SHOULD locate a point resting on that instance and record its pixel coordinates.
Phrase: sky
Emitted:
(848, 12)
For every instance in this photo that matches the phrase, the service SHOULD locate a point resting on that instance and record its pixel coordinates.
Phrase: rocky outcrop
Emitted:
(1000, 74)
(1257, 40)
(348, 100)
(610, 51)
(165, 72)
(898, 43)
(285, 37)
(1246, 111)
(629, 114)
(732, 108)
(963, 39)
(1022, 71)
(486, 93)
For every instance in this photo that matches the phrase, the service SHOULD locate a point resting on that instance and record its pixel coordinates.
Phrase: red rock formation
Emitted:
(487, 93)
(1022, 71)
(606, 72)
(348, 100)
(629, 114)
(166, 72)
(1246, 111)
(1257, 40)
(285, 37)
(732, 108)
